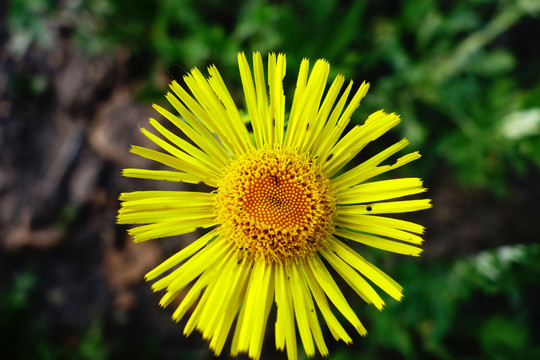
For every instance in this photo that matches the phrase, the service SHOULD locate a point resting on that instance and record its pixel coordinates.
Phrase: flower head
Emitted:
(281, 213)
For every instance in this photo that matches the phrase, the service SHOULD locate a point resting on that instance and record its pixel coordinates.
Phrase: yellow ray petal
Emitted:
(176, 163)
(193, 267)
(306, 317)
(193, 151)
(193, 320)
(262, 99)
(220, 89)
(301, 83)
(207, 312)
(165, 203)
(270, 123)
(391, 222)
(281, 303)
(234, 345)
(367, 269)
(369, 168)
(310, 105)
(333, 292)
(169, 228)
(285, 328)
(174, 151)
(355, 140)
(314, 325)
(389, 207)
(256, 102)
(380, 190)
(219, 294)
(158, 195)
(276, 73)
(190, 298)
(333, 323)
(314, 128)
(196, 115)
(334, 133)
(253, 324)
(214, 114)
(250, 304)
(322, 144)
(193, 128)
(183, 254)
(166, 175)
(166, 215)
(362, 225)
(355, 281)
(206, 279)
(266, 297)
(379, 243)
(300, 310)
(237, 291)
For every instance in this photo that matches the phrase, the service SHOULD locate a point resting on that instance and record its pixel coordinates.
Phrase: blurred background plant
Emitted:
(464, 75)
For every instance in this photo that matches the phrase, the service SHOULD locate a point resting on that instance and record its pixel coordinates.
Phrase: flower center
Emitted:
(275, 204)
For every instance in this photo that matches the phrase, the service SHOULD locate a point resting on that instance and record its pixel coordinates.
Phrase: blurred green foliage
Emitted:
(438, 312)
(27, 25)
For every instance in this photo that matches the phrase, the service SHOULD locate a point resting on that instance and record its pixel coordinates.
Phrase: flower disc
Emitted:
(275, 204)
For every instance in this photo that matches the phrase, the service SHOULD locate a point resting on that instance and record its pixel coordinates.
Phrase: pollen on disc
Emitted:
(275, 204)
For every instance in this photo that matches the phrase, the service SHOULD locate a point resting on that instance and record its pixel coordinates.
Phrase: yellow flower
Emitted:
(280, 212)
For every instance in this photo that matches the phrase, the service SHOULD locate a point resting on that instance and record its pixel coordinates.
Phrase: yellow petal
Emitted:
(353, 142)
(301, 83)
(358, 223)
(380, 190)
(183, 254)
(314, 129)
(379, 243)
(303, 297)
(359, 173)
(323, 143)
(193, 267)
(300, 309)
(169, 228)
(220, 89)
(256, 102)
(276, 73)
(236, 294)
(180, 164)
(335, 327)
(334, 133)
(389, 207)
(264, 303)
(193, 128)
(378, 277)
(333, 292)
(165, 175)
(355, 281)
(285, 328)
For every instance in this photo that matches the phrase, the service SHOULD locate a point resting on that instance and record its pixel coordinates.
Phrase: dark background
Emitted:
(77, 79)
